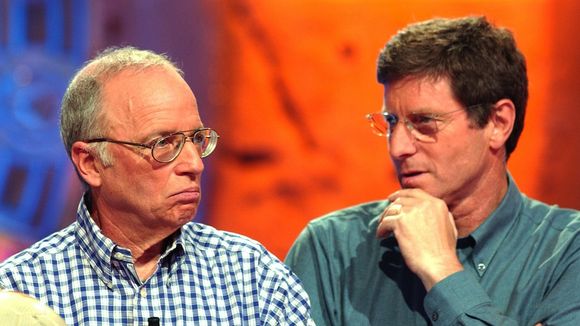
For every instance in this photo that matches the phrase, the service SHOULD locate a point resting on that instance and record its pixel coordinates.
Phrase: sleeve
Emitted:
(309, 260)
(561, 303)
(284, 301)
(460, 300)
(8, 279)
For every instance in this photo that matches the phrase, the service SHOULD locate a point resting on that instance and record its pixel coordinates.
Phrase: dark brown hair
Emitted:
(481, 62)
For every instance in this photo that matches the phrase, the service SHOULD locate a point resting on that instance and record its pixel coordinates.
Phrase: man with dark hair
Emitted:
(458, 243)
(131, 126)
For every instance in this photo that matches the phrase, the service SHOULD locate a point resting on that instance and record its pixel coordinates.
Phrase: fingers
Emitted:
(425, 232)
(411, 193)
(387, 220)
(415, 202)
(392, 210)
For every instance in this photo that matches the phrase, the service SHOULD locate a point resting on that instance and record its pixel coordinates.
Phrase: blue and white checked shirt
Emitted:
(205, 277)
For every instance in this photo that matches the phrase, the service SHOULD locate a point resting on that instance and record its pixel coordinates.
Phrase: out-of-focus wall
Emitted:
(41, 44)
(297, 77)
(287, 84)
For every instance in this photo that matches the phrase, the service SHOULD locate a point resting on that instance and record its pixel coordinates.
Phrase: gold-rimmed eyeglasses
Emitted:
(423, 126)
(166, 149)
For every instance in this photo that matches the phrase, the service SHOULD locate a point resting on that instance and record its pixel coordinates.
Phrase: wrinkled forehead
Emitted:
(418, 95)
(149, 99)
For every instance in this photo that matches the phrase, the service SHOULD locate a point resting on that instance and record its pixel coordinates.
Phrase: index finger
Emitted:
(408, 193)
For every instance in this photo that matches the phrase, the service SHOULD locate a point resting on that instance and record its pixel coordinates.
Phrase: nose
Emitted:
(189, 160)
(401, 142)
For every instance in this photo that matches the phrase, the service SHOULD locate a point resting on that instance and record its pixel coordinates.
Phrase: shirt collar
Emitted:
(491, 233)
(100, 250)
(97, 248)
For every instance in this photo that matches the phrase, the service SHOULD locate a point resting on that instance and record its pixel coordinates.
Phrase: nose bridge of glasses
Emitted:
(195, 140)
(407, 127)
(182, 149)
(392, 120)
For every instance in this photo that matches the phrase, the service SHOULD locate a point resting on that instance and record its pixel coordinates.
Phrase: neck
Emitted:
(470, 211)
(146, 245)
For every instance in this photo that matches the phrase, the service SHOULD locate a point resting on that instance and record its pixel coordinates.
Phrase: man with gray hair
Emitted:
(131, 127)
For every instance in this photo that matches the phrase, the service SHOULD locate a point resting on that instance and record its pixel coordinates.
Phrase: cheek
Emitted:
(465, 155)
(451, 157)
(138, 177)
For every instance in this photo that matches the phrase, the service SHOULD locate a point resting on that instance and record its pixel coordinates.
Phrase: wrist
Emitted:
(438, 271)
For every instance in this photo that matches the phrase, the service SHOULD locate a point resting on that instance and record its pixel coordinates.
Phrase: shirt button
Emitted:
(481, 267)
(143, 292)
(434, 316)
(118, 255)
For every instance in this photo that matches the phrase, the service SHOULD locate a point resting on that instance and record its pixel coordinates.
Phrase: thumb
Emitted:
(452, 221)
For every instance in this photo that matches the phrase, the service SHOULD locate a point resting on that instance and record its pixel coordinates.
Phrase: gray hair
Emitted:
(81, 108)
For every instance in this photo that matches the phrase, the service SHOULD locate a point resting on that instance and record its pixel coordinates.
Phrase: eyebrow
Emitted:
(421, 110)
(162, 133)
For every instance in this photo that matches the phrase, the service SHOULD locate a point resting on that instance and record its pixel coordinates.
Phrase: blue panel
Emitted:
(55, 27)
(34, 168)
(16, 25)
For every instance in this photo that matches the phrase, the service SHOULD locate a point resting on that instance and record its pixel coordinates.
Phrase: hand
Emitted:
(426, 233)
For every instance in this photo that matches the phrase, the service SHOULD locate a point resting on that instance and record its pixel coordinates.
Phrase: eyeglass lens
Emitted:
(423, 127)
(166, 149)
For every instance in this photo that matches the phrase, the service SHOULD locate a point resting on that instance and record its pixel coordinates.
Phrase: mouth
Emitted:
(410, 179)
(188, 195)
(411, 174)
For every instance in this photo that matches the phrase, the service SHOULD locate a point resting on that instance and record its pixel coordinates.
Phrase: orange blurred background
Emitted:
(287, 84)
(299, 76)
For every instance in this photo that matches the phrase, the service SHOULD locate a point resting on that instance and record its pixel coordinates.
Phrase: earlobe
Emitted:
(502, 122)
(86, 163)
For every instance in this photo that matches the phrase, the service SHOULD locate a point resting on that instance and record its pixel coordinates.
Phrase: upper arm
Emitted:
(309, 260)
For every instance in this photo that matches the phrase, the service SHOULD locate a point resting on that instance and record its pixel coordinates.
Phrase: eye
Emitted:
(165, 141)
(425, 124)
(199, 137)
(418, 119)
(391, 119)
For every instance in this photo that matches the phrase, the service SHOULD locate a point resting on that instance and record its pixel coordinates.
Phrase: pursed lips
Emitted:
(188, 194)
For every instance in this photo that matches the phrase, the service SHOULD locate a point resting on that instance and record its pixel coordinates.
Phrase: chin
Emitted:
(186, 217)
(178, 218)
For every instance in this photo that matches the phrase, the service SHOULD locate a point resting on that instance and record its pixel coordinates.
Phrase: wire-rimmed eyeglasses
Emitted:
(166, 149)
(423, 126)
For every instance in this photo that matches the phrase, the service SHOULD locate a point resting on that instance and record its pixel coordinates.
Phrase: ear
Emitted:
(88, 165)
(501, 121)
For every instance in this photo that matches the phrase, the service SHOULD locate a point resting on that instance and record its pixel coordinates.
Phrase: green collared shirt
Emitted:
(521, 266)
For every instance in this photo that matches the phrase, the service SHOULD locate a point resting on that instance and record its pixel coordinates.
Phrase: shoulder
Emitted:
(222, 246)
(338, 236)
(245, 263)
(42, 255)
(209, 238)
(551, 216)
(555, 229)
(47, 248)
(353, 219)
